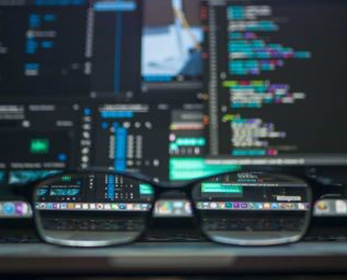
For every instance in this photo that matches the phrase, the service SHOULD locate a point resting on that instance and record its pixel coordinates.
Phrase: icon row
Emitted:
(14, 209)
(252, 206)
(94, 206)
(331, 207)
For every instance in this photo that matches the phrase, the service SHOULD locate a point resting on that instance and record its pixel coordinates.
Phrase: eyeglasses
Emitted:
(104, 208)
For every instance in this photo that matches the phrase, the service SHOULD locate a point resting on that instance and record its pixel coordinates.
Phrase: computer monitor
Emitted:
(173, 89)
(276, 81)
(76, 68)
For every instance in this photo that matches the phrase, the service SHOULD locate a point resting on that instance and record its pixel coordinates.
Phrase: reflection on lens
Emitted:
(92, 209)
(253, 208)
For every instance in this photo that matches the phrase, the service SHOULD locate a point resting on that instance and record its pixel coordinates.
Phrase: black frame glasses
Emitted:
(29, 192)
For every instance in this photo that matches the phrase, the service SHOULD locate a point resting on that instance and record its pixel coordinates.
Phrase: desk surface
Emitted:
(173, 258)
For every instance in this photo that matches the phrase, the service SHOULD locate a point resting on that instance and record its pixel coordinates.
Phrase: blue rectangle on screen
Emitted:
(120, 149)
(110, 187)
(117, 114)
(115, 6)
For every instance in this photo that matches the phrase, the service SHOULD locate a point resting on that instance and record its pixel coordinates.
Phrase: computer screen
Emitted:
(276, 81)
(36, 140)
(173, 89)
(177, 26)
(70, 48)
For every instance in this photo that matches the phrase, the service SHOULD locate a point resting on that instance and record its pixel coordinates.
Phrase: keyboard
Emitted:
(93, 225)
(186, 234)
(209, 225)
(253, 224)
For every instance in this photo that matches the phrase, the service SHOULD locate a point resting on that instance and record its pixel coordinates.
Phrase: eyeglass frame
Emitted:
(28, 192)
